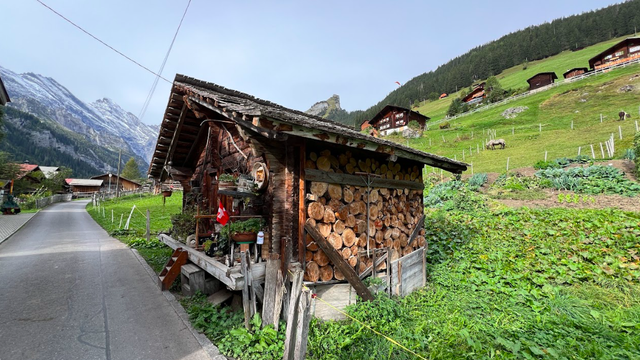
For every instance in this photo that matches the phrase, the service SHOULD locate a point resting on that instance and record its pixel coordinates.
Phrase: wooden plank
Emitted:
(378, 261)
(296, 288)
(176, 136)
(416, 230)
(302, 329)
(339, 296)
(357, 180)
(245, 293)
(273, 292)
(220, 297)
(302, 213)
(339, 263)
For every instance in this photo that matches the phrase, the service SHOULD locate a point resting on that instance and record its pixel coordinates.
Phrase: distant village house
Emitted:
(395, 119)
(541, 80)
(575, 72)
(476, 95)
(111, 183)
(84, 185)
(624, 51)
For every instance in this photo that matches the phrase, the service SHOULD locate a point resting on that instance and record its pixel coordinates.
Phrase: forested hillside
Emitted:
(532, 43)
(28, 138)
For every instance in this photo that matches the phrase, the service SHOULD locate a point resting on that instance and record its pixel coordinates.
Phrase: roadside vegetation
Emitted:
(154, 252)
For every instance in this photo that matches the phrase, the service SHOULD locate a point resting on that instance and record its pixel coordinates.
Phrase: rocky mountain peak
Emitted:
(323, 108)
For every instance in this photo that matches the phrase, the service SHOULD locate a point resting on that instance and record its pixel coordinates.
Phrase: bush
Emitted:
(445, 125)
(454, 196)
(184, 224)
(414, 125)
(542, 165)
(477, 180)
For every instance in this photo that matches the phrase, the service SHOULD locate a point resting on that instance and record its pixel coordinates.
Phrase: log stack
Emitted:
(339, 212)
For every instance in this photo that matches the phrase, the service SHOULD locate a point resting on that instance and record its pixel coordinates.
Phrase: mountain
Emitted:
(330, 109)
(45, 142)
(520, 47)
(102, 122)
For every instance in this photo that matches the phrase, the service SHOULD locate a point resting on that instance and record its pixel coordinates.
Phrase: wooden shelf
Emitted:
(237, 194)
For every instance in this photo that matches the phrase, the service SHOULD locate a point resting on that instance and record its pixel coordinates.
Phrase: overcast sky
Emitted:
(294, 53)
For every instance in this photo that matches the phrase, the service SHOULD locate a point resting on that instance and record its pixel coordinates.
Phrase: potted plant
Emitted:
(226, 181)
(208, 247)
(245, 231)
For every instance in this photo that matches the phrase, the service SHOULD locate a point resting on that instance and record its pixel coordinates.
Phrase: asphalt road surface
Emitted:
(69, 291)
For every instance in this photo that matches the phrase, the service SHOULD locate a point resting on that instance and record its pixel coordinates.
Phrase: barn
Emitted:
(476, 95)
(395, 119)
(574, 72)
(80, 187)
(334, 201)
(113, 182)
(622, 52)
(541, 80)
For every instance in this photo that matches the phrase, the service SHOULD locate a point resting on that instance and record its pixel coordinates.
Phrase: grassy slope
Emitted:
(555, 109)
(516, 77)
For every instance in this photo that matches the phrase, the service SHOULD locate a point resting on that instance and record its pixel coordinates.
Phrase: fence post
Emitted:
(545, 155)
(148, 226)
(571, 124)
(620, 131)
(637, 126)
(579, 149)
(600, 117)
(593, 154)
(540, 128)
(602, 150)
(507, 164)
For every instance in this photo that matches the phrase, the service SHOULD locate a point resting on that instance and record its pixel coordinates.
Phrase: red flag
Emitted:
(223, 215)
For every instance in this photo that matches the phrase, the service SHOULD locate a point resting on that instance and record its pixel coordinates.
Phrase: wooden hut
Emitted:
(84, 186)
(541, 80)
(574, 72)
(312, 177)
(112, 182)
(624, 51)
(395, 119)
(476, 95)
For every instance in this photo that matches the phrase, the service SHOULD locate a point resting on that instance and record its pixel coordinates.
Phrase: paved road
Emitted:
(69, 291)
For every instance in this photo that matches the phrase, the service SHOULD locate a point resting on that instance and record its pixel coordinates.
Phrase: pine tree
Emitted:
(131, 170)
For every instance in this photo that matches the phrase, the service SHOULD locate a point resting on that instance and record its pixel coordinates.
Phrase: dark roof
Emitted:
(553, 75)
(574, 69)
(387, 108)
(612, 48)
(241, 106)
(4, 96)
(115, 177)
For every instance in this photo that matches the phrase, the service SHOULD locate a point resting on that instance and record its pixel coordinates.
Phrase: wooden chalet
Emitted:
(4, 96)
(624, 51)
(575, 72)
(121, 183)
(84, 185)
(334, 200)
(395, 119)
(541, 80)
(476, 95)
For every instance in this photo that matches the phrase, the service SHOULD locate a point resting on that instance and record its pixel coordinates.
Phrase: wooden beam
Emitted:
(356, 180)
(174, 139)
(269, 134)
(339, 263)
(416, 230)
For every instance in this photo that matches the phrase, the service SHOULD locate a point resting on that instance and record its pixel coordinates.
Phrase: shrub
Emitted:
(445, 125)
(636, 148)
(414, 125)
(454, 196)
(184, 224)
(541, 165)
(477, 180)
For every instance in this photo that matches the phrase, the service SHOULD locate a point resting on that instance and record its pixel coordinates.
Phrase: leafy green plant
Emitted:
(629, 154)
(184, 223)
(590, 180)
(140, 243)
(207, 245)
(414, 125)
(226, 178)
(541, 165)
(477, 180)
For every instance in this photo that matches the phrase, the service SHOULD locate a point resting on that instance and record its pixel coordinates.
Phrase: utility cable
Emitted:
(102, 42)
(155, 81)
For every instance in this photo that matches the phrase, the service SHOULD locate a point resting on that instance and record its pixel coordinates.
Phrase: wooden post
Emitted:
(273, 292)
(545, 155)
(111, 216)
(302, 328)
(579, 150)
(540, 127)
(292, 318)
(245, 292)
(602, 150)
(600, 117)
(513, 131)
(339, 263)
(571, 124)
(620, 131)
(637, 129)
(471, 168)
(507, 164)
(593, 154)
(443, 138)
(121, 216)
(148, 226)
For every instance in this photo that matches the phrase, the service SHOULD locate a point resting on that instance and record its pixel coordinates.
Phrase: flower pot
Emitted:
(226, 185)
(247, 237)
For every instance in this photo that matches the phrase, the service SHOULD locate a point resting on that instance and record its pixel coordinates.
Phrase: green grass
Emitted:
(509, 284)
(516, 77)
(155, 253)
(581, 102)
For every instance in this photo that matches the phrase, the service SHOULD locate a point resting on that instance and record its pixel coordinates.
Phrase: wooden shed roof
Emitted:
(553, 75)
(114, 177)
(574, 69)
(180, 128)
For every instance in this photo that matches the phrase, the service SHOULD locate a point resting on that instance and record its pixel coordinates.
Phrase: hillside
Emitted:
(526, 45)
(545, 124)
(45, 142)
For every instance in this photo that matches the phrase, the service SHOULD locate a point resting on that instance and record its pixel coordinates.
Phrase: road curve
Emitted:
(69, 291)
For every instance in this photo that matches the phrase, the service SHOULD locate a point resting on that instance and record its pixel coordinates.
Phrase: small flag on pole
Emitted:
(223, 215)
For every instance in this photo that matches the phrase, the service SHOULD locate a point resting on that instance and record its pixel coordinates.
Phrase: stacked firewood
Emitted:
(339, 212)
(347, 164)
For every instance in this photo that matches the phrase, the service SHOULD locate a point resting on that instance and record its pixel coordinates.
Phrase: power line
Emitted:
(155, 81)
(102, 42)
